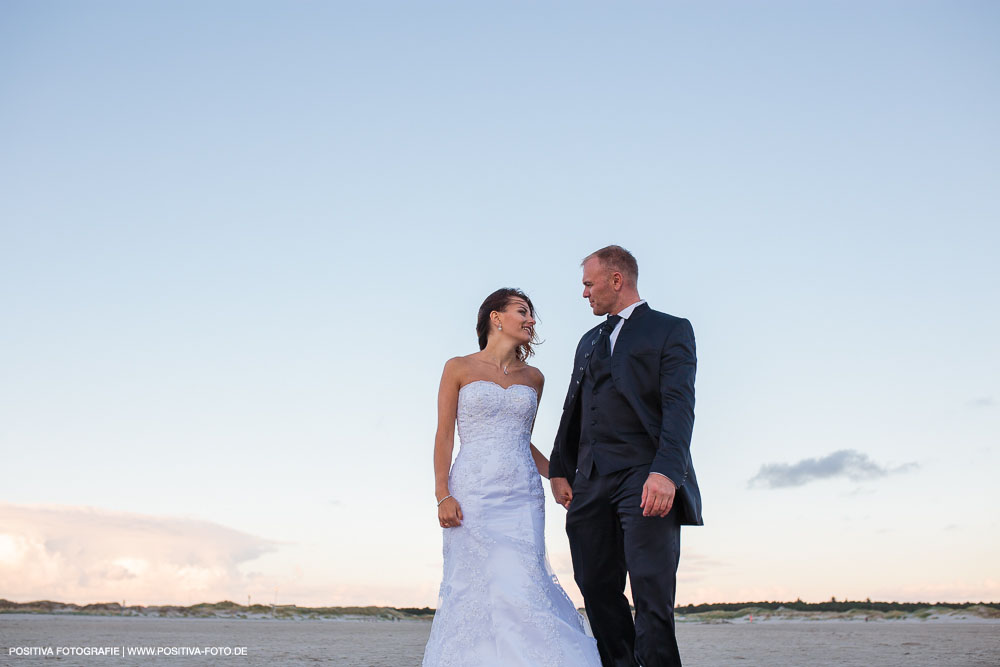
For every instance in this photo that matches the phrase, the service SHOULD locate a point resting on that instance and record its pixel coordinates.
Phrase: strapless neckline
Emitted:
(496, 384)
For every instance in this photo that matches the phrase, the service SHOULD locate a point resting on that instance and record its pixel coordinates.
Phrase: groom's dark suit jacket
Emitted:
(653, 368)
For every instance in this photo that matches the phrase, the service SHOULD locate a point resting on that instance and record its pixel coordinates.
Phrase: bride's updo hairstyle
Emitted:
(499, 301)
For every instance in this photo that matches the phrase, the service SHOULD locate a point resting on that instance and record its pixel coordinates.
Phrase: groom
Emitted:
(621, 464)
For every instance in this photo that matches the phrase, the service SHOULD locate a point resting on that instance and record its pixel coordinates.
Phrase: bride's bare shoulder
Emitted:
(535, 376)
(463, 361)
(458, 367)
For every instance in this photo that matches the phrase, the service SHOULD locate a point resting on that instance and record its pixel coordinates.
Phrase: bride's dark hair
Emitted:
(499, 301)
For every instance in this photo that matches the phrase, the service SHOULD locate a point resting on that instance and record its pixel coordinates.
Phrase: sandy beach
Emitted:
(225, 642)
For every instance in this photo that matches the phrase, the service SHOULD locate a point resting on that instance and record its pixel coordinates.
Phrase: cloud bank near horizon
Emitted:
(83, 555)
(850, 463)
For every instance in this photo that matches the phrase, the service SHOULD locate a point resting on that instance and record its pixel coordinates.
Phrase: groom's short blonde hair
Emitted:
(616, 258)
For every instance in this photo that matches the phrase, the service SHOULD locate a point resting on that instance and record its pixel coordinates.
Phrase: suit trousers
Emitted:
(609, 537)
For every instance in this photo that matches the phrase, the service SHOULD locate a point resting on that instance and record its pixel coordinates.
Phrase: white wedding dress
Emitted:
(500, 603)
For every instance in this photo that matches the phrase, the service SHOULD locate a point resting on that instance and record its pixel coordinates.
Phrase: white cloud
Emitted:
(83, 554)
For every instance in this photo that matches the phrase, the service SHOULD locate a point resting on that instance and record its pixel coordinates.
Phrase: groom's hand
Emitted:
(561, 491)
(657, 496)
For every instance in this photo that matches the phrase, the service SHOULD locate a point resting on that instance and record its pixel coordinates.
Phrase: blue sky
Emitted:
(239, 241)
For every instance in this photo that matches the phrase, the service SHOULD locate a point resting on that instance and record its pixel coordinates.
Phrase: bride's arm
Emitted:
(541, 462)
(449, 511)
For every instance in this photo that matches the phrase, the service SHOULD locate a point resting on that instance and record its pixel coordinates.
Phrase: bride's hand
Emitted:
(561, 491)
(450, 513)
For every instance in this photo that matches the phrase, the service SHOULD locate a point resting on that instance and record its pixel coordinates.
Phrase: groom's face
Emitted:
(598, 287)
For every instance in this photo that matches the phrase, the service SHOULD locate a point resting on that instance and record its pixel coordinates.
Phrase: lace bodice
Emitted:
(481, 417)
(494, 425)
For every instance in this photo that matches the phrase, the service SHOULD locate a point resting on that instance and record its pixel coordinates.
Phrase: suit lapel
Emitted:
(583, 358)
(623, 344)
(620, 374)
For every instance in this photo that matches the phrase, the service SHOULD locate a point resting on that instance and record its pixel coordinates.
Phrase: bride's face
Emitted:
(517, 321)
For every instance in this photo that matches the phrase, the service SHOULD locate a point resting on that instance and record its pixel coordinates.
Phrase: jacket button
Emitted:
(581, 368)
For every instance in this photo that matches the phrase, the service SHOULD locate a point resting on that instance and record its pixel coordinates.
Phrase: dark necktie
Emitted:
(609, 327)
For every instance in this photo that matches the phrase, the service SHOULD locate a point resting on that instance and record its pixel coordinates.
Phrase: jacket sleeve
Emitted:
(678, 363)
(557, 466)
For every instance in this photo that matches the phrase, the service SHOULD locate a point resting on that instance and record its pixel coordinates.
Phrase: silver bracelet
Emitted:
(443, 499)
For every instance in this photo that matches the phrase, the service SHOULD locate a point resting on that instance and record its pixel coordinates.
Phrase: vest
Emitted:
(609, 429)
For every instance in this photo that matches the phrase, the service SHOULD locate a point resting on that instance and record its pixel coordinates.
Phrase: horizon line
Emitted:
(833, 600)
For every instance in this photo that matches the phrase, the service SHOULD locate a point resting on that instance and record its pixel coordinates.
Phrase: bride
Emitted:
(500, 604)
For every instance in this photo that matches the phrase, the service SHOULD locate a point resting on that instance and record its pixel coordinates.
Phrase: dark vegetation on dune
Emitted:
(834, 605)
(699, 612)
